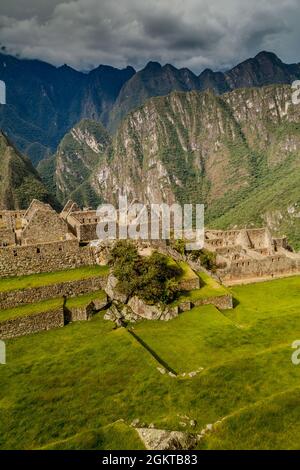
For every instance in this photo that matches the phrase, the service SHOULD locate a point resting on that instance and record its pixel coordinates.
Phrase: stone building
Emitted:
(251, 254)
(39, 240)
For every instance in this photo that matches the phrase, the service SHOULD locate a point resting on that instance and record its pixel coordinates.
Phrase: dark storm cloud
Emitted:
(192, 33)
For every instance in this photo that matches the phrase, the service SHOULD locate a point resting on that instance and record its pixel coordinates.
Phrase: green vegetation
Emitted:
(153, 278)
(84, 300)
(80, 158)
(111, 437)
(81, 377)
(19, 181)
(45, 279)
(206, 258)
(30, 309)
(209, 288)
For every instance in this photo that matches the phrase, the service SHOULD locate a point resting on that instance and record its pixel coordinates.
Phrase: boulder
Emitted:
(113, 313)
(112, 291)
(141, 309)
(100, 303)
(152, 312)
(158, 439)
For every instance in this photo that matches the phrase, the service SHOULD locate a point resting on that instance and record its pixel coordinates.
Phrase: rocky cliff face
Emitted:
(19, 181)
(68, 170)
(228, 151)
(45, 102)
(154, 80)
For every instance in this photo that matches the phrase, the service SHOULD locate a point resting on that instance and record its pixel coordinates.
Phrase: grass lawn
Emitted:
(30, 309)
(187, 272)
(84, 300)
(265, 300)
(209, 288)
(69, 388)
(45, 279)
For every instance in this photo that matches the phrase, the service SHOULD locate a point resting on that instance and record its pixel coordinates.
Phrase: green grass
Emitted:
(210, 288)
(265, 300)
(45, 279)
(30, 309)
(112, 437)
(275, 419)
(68, 388)
(187, 272)
(84, 300)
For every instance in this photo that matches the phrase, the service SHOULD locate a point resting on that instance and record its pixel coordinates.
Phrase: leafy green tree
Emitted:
(151, 278)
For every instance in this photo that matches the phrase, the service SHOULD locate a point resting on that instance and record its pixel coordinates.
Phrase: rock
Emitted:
(185, 306)
(209, 427)
(100, 304)
(135, 422)
(192, 423)
(172, 375)
(141, 309)
(151, 312)
(161, 370)
(112, 290)
(157, 439)
(128, 314)
(192, 374)
(113, 313)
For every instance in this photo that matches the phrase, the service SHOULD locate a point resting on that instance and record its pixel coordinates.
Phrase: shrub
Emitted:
(152, 279)
(206, 258)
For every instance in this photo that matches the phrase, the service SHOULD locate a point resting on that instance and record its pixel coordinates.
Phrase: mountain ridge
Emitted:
(19, 181)
(45, 102)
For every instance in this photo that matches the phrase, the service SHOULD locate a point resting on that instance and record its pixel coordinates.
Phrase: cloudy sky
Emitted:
(187, 33)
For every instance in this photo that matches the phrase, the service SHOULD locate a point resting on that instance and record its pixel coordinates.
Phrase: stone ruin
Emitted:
(251, 255)
(39, 239)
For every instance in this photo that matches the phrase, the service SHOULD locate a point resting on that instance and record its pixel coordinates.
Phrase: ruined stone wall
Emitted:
(16, 298)
(32, 324)
(85, 217)
(44, 226)
(223, 302)
(7, 237)
(270, 266)
(79, 313)
(11, 218)
(87, 232)
(58, 256)
(260, 238)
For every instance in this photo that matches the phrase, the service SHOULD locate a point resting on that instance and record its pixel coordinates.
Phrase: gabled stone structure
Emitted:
(42, 224)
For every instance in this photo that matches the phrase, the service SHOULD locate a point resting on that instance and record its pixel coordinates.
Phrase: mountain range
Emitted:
(44, 102)
(228, 139)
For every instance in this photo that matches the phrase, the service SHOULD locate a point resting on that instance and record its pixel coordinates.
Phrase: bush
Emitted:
(206, 258)
(152, 279)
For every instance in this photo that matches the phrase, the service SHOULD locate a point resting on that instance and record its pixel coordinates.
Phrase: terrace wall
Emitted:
(32, 324)
(223, 302)
(16, 298)
(40, 258)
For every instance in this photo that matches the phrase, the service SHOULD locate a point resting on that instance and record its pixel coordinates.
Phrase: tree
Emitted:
(151, 278)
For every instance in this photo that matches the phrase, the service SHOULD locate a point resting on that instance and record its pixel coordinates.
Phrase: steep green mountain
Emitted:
(19, 181)
(44, 102)
(239, 153)
(154, 80)
(66, 173)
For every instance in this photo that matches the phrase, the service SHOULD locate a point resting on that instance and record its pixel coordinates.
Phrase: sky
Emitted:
(197, 34)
